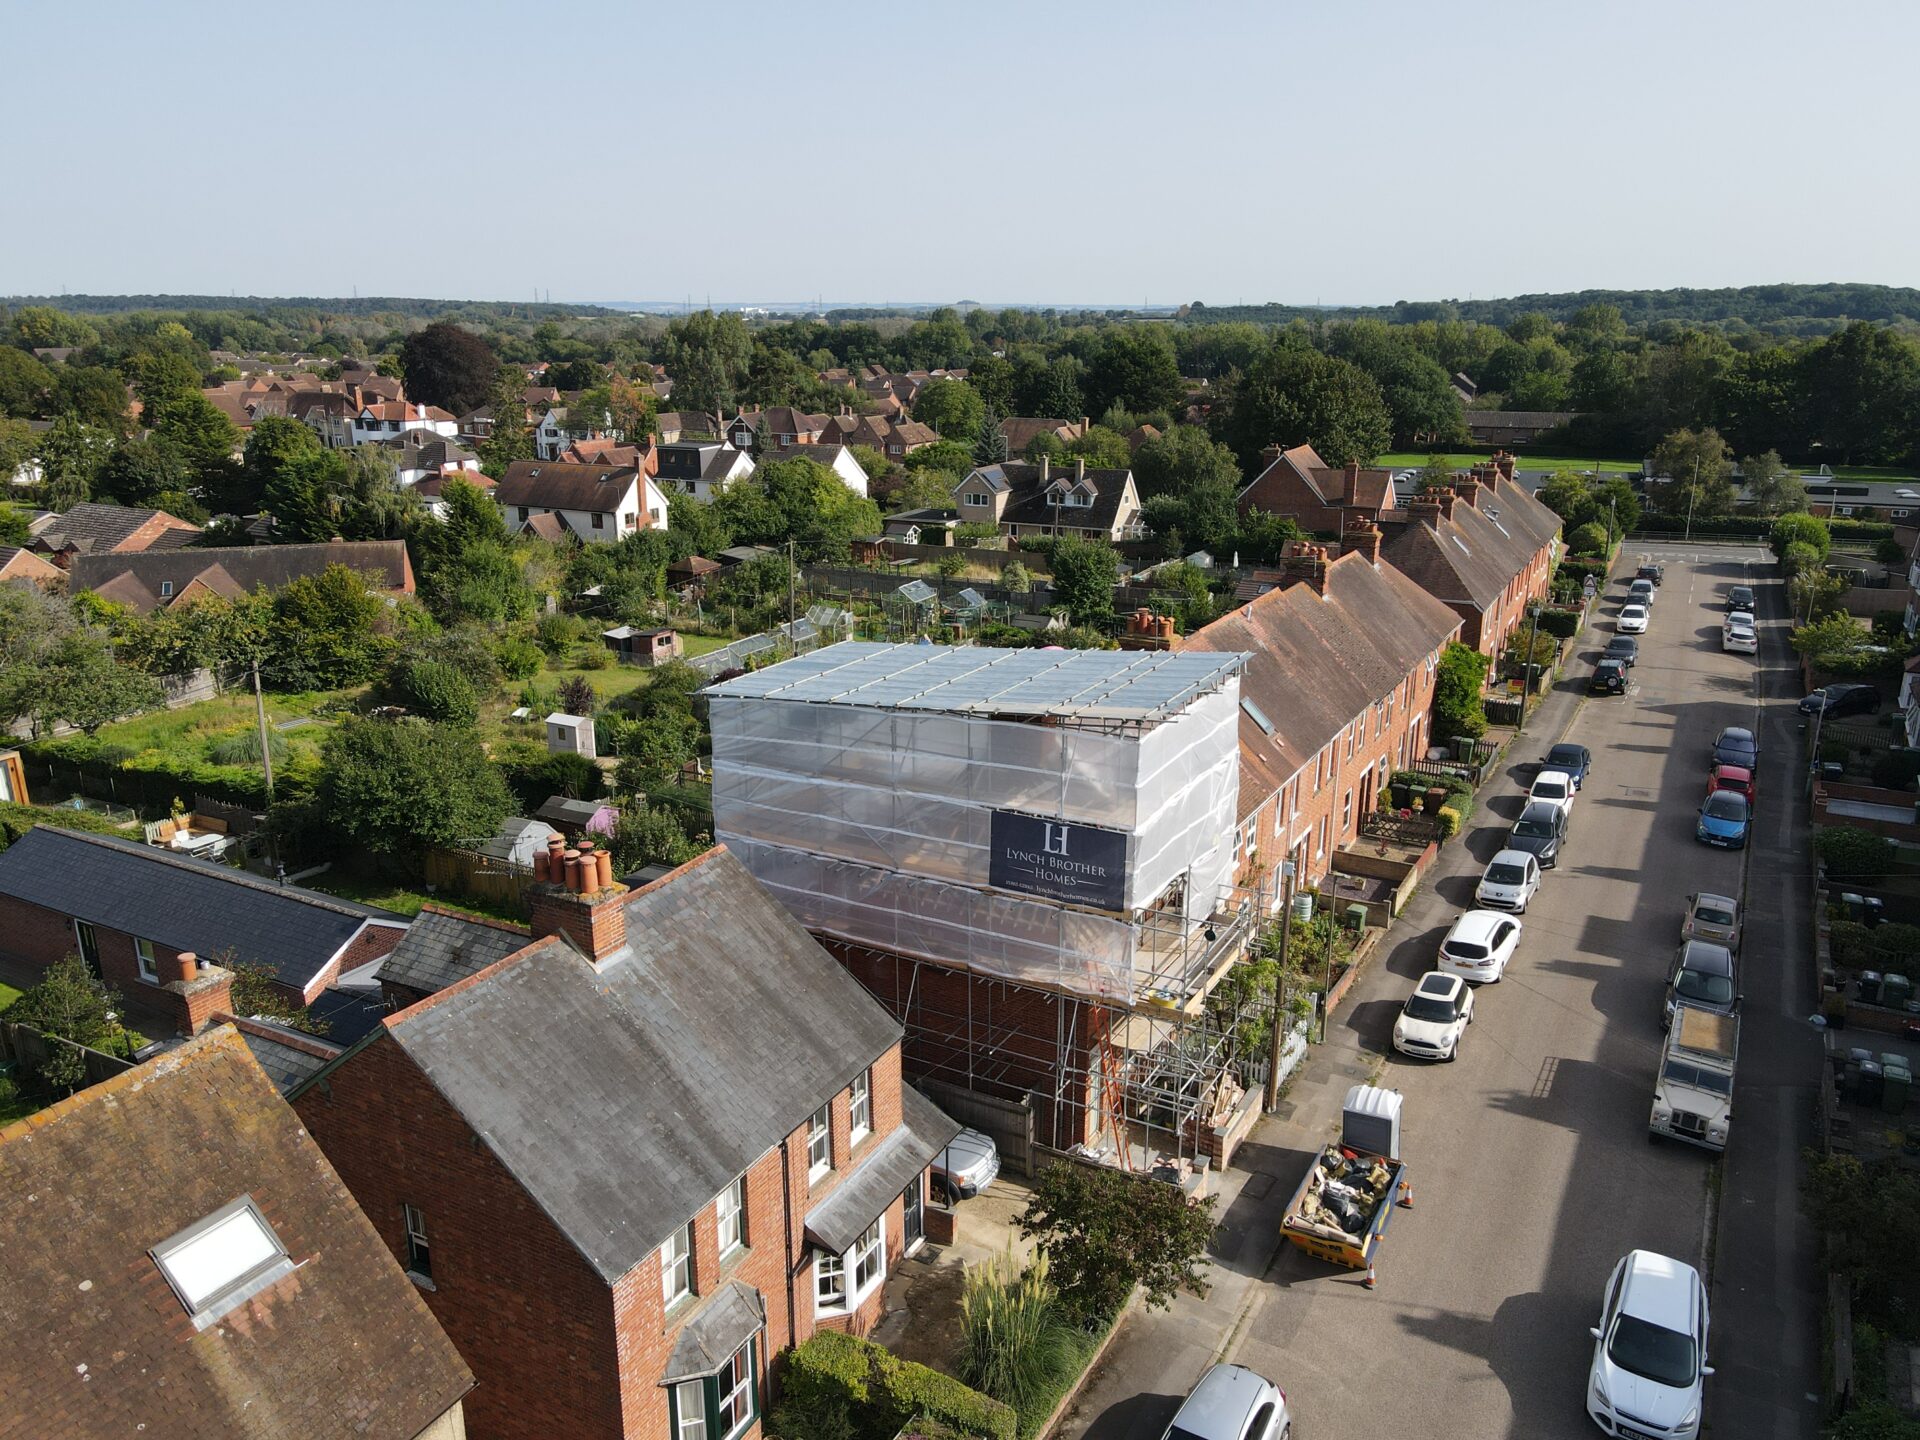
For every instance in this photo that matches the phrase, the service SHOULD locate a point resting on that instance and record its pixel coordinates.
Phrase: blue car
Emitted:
(1574, 760)
(1723, 820)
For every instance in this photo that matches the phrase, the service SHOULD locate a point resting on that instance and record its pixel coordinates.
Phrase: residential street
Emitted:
(1531, 1165)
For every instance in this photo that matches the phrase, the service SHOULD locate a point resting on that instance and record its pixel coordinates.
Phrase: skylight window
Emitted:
(1462, 544)
(217, 1262)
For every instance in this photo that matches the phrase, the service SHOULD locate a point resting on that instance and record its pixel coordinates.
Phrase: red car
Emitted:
(1736, 778)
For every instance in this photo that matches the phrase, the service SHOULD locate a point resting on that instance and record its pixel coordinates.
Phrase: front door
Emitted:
(915, 1220)
(89, 946)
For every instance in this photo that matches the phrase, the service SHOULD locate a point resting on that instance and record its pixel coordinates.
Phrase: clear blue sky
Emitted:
(1007, 153)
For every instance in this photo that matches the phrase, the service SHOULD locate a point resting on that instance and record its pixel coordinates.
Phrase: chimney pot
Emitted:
(603, 864)
(189, 964)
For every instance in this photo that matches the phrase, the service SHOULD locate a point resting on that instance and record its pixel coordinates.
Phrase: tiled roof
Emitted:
(340, 1345)
(442, 948)
(250, 566)
(287, 1055)
(182, 904)
(1029, 505)
(1471, 557)
(95, 529)
(623, 1100)
(556, 485)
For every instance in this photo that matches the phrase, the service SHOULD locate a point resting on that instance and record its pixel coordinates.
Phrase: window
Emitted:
(523, 514)
(820, 1143)
(690, 1410)
(733, 1388)
(973, 499)
(860, 1105)
(143, 952)
(1346, 812)
(166, 589)
(217, 1262)
(868, 1261)
(419, 1258)
(599, 521)
(732, 1209)
(829, 1282)
(676, 1266)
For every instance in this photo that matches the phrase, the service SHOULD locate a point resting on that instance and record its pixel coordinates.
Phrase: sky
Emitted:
(1354, 152)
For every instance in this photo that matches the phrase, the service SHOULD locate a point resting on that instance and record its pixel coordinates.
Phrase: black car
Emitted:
(1740, 597)
(1735, 746)
(1623, 648)
(1655, 573)
(1849, 697)
(1540, 831)
(1703, 975)
(1609, 678)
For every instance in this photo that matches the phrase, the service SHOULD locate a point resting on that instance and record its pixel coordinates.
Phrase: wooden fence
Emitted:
(1009, 1122)
(28, 1048)
(467, 872)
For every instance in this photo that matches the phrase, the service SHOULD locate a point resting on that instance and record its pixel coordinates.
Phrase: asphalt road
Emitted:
(1531, 1165)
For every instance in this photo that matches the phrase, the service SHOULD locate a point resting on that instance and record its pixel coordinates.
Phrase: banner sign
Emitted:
(1081, 864)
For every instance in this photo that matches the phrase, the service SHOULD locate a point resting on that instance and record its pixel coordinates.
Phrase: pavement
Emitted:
(1530, 1160)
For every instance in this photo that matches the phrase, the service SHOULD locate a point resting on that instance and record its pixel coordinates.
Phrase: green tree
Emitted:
(77, 681)
(1298, 396)
(1104, 1232)
(1084, 574)
(1184, 459)
(1700, 467)
(24, 383)
(437, 690)
(256, 991)
(394, 787)
(992, 377)
(1101, 448)
(990, 440)
(1799, 528)
(448, 366)
(326, 634)
(651, 835)
(37, 327)
(144, 473)
(1457, 705)
(71, 455)
(952, 407)
(947, 456)
(1775, 489)
(202, 436)
(1861, 389)
(707, 355)
(94, 395)
(1134, 367)
(18, 444)
(511, 437)
(71, 1003)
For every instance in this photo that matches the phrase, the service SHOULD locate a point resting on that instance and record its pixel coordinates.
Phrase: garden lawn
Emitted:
(7, 995)
(190, 730)
(1864, 475)
(1466, 460)
(403, 900)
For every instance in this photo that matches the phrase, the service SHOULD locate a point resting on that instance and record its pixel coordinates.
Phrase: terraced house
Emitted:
(631, 1155)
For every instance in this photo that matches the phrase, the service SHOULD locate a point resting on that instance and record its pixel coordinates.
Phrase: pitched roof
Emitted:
(182, 904)
(338, 1343)
(1315, 664)
(95, 529)
(18, 564)
(1020, 430)
(548, 526)
(1471, 557)
(442, 948)
(250, 566)
(1029, 504)
(628, 1097)
(288, 1056)
(557, 485)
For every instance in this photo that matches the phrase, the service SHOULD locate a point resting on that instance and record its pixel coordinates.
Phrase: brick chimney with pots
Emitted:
(1350, 483)
(1425, 510)
(1444, 499)
(574, 894)
(1362, 537)
(200, 992)
(1271, 453)
(1306, 563)
(1468, 489)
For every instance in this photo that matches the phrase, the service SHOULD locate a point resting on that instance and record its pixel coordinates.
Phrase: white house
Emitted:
(593, 502)
(837, 458)
(702, 468)
(395, 417)
(418, 454)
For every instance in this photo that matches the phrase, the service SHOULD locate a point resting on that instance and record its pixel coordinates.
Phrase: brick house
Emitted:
(896, 439)
(160, 579)
(598, 503)
(189, 1266)
(1484, 547)
(686, 1121)
(1336, 692)
(132, 911)
(1320, 498)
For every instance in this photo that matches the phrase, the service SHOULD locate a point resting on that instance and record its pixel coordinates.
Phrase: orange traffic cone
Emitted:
(1368, 1282)
(1406, 1194)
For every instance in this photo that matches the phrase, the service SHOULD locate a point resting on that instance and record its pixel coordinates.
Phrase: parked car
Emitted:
(1703, 975)
(1740, 617)
(1740, 597)
(1633, 620)
(1736, 746)
(1609, 678)
(1847, 697)
(1232, 1402)
(1575, 760)
(1715, 918)
(1653, 571)
(1641, 592)
(1509, 881)
(1479, 946)
(1724, 818)
(1540, 831)
(966, 1167)
(1732, 777)
(1740, 640)
(1555, 787)
(1650, 1350)
(1623, 648)
(1434, 1018)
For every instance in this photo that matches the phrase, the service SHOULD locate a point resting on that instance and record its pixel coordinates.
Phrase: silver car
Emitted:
(966, 1167)
(1712, 917)
(1232, 1402)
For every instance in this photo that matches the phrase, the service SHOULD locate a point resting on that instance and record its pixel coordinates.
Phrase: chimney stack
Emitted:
(1307, 562)
(1444, 498)
(1046, 468)
(574, 894)
(1425, 510)
(1468, 489)
(200, 992)
(1271, 453)
(1350, 482)
(1079, 468)
(1362, 537)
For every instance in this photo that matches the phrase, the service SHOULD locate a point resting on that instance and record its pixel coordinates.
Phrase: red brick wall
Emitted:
(42, 937)
(527, 1313)
(369, 945)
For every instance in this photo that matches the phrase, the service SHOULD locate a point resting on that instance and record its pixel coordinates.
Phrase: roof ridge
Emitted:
(719, 847)
(208, 1044)
(282, 1034)
(511, 927)
(394, 1021)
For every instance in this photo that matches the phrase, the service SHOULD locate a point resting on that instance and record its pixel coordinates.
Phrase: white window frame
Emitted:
(418, 1246)
(819, 1143)
(206, 1305)
(860, 1105)
(730, 1208)
(143, 957)
(741, 1394)
(676, 1266)
(690, 1414)
(829, 1283)
(870, 1250)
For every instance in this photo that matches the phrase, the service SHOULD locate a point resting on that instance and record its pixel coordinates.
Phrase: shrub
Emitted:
(518, 658)
(576, 695)
(1453, 816)
(1896, 769)
(1888, 552)
(437, 690)
(1457, 708)
(556, 634)
(1104, 1231)
(837, 1378)
(1013, 1343)
(1561, 624)
(1852, 854)
(1588, 539)
(244, 748)
(593, 657)
(1800, 528)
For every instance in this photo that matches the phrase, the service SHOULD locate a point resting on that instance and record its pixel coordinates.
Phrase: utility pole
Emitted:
(1612, 502)
(1526, 676)
(1693, 495)
(266, 769)
(1278, 1037)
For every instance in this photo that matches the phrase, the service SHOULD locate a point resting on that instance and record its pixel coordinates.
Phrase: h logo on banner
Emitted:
(1056, 838)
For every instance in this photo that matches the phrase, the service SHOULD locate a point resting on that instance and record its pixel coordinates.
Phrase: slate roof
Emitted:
(95, 529)
(249, 566)
(557, 485)
(1315, 664)
(624, 1100)
(441, 948)
(341, 1346)
(923, 1132)
(1028, 503)
(1470, 557)
(182, 904)
(716, 1331)
(288, 1056)
(699, 460)
(565, 811)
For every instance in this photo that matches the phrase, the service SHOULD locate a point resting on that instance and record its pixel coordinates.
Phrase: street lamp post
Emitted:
(1275, 1041)
(1526, 675)
(1693, 495)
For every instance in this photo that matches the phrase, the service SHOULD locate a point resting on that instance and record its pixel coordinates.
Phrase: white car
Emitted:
(1556, 787)
(1434, 1018)
(1509, 882)
(1232, 1402)
(1740, 639)
(1739, 617)
(1650, 1350)
(1632, 621)
(1479, 946)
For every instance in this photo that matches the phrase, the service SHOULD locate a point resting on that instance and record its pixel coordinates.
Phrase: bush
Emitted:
(1457, 708)
(437, 690)
(837, 1378)
(556, 634)
(1561, 624)
(1453, 816)
(1889, 552)
(244, 748)
(1013, 1343)
(593, 657)
(1799, 528)
(1896, 769)
(1852, 854)
(518, 658)
(1588, 539)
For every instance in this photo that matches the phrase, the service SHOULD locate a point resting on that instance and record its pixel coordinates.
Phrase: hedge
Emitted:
(151, 779)
(1454, 814)
(1755, 528)
(16, 820)
(1562, 624)
(881, 1392)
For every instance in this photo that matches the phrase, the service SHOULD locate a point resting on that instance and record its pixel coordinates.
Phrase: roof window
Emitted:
(217, 1262)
